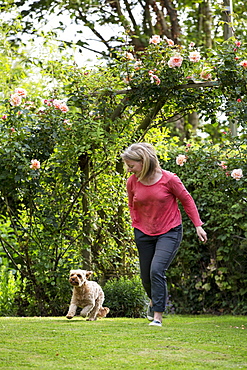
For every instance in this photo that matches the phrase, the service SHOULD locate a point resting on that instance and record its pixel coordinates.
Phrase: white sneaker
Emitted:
(155, 323)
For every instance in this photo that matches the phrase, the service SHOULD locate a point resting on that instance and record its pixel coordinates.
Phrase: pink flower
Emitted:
(4, 116)
(12, 129)
(239, 100)
(58, 104)
(237, 174)
(175, 61)
(223, 165)
(192, 44)
(137, 65)
(35, 165)
(129, 56)
(15, 99)
(238, 43)
(170, 42)
(155, 79)
(243, 63)
(21, 92)
(205, 74)
(181, 159)
(194, 56)
(155, 39)
(64, 108)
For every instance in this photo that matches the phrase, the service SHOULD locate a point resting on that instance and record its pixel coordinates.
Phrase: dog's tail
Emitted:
(103, 311)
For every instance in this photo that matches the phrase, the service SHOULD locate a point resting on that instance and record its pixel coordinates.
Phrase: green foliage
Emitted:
(212, 277)
(63, 199)
(10, 283)
(125, 297)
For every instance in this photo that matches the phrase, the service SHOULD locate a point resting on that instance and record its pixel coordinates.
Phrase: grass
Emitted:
(184, 342)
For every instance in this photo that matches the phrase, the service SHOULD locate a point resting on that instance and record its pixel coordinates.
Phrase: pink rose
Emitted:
(181, 159)
(21, 92)
(170, 42)
(238, 43)
(175, 61)
(237, 174)
(205, 74)
(137, 65)
(35, 165)
(15, 99)
(194, 56)
(223, 165)
(58, 104)
(129, 56)
(63, 107)
(243, 63)
(4, 116)
(155, 79)
(155, 39)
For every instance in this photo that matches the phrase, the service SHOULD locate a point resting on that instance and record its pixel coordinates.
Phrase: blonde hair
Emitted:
(145, 153)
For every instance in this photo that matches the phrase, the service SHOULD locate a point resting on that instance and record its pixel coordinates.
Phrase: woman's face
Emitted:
(134, 166)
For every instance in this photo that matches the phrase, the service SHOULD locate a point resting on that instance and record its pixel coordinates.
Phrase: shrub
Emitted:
(125, 297)
(212, 277)
(9, 285)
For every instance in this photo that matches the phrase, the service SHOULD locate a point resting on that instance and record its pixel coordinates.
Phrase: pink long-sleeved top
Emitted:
(154, 208)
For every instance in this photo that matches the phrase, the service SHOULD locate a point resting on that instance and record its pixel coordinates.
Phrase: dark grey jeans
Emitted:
(155, 255)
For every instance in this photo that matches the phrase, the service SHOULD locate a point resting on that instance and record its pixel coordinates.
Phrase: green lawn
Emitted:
(184, 342)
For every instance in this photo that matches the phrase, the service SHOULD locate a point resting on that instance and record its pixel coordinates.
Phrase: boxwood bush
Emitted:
(125, 297)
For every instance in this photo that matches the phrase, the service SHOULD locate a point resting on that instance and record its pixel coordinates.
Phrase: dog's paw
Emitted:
(69, 316)
(91, 318)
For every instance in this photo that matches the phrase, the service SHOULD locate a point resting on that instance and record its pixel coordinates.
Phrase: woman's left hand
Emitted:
(202, 234)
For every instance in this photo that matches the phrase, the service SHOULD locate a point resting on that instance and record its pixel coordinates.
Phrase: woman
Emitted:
(152, 195)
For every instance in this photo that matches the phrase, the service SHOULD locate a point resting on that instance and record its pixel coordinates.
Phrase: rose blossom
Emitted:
(205, 74)
(15, 99)
(237, 174)
(175, 61)
(194, 56)
(4, 116)
(238, 43)
(21, 92)
(63, 107)
(243, 63)
(170, 42)
(129, 56)
(137, 65)
(155, 39)
(223, 165)
(35, 165)
(155, 79)
(58, 104)
(181, 159)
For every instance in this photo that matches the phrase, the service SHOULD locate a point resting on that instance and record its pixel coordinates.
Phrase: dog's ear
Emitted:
(88, 274)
